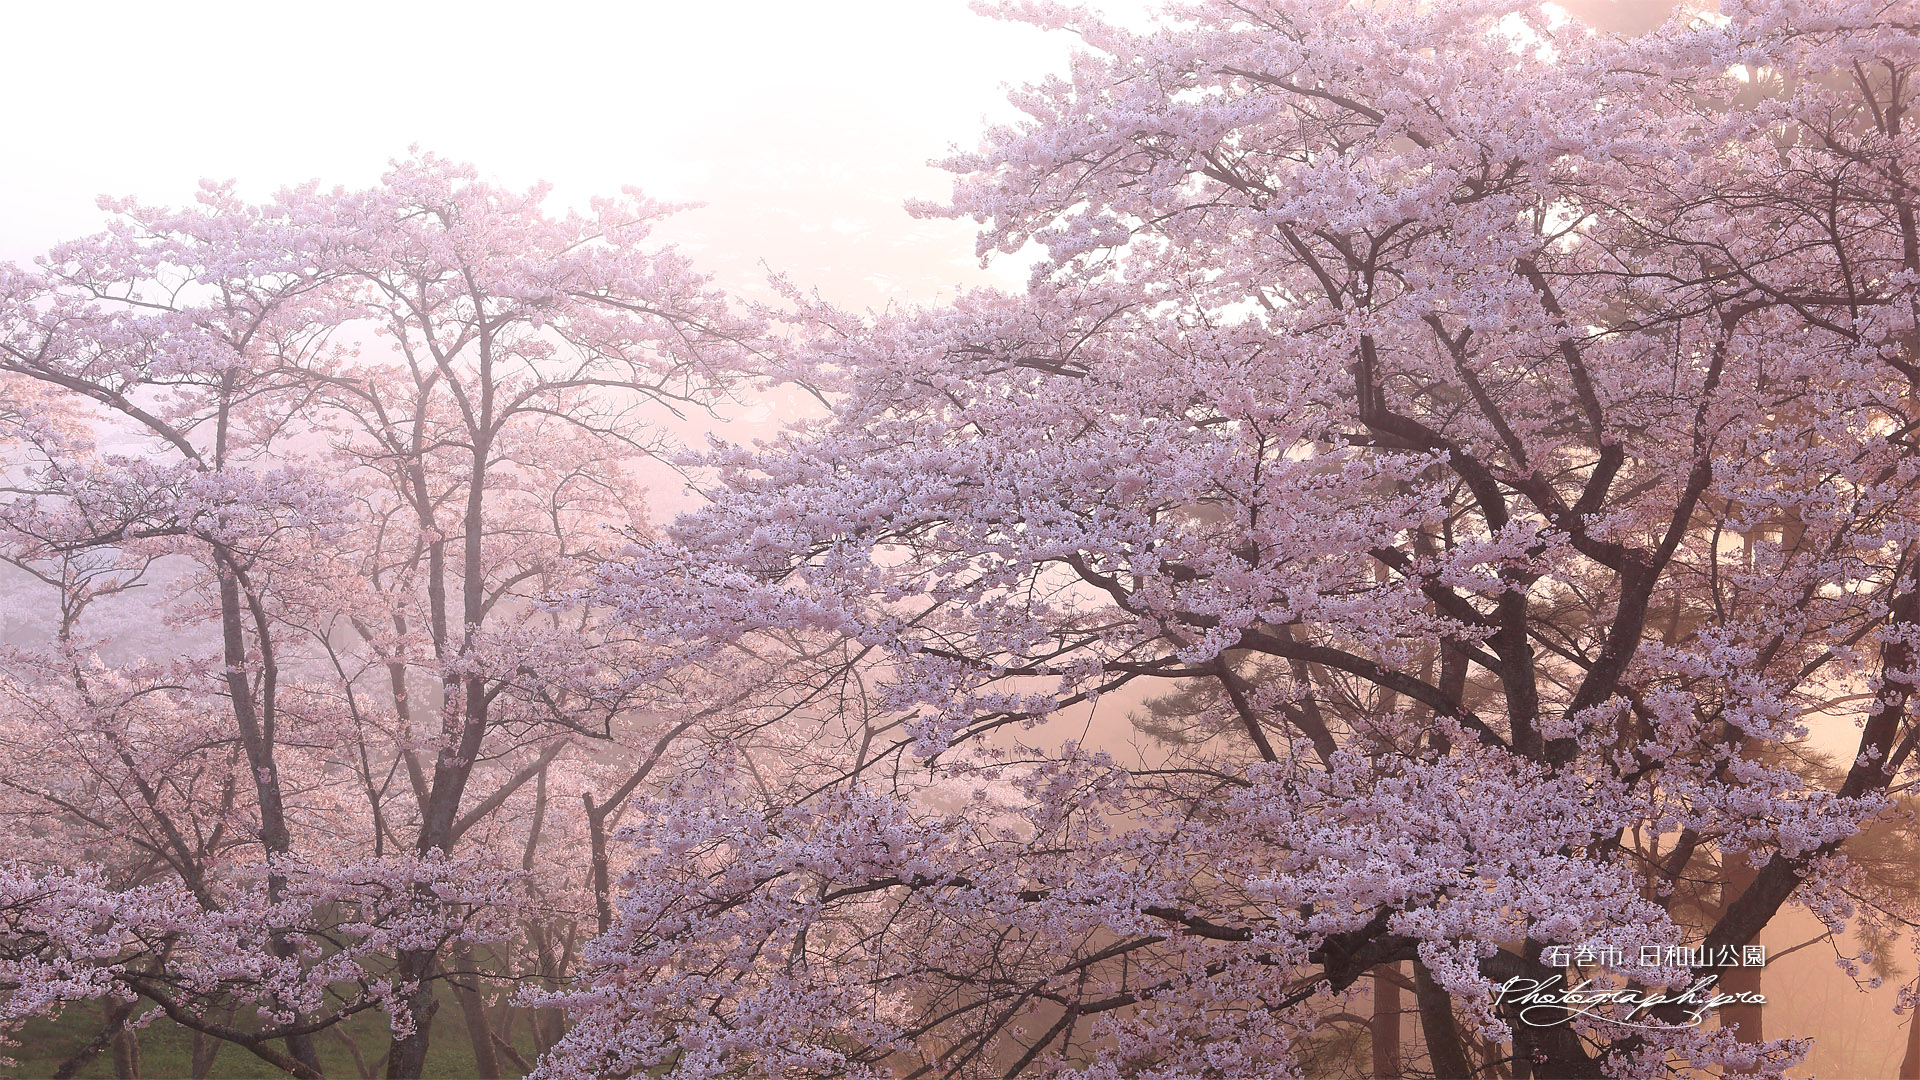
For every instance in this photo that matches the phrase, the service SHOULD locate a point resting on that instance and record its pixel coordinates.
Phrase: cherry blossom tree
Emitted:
(357, 447)
(1501, 435)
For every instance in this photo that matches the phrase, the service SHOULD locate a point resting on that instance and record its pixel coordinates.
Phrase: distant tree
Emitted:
(354, 446)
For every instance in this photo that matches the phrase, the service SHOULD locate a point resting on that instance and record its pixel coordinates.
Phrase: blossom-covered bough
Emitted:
(1489, 443)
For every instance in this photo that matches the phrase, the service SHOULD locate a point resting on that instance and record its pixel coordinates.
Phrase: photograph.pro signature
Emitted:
(1550, 1002)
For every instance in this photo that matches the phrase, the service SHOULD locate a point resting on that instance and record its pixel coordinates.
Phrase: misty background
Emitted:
(800, 127)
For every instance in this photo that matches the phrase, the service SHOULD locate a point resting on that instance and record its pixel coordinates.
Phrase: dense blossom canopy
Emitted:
(1490, 445)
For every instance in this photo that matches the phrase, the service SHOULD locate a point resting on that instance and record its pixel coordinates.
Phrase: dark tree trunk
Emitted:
(407, 1057)
(1736, 876)
(205, 1049)
(1444, 1048)
(486, 1063)
(126, 1054)
(597, 842)
(115, 1022)
(1386, 1022)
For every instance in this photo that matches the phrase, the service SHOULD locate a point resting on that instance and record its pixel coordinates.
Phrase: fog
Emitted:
(802, 127)
(799, 128)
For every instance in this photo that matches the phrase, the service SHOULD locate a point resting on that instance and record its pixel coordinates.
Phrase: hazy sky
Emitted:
(802, 126)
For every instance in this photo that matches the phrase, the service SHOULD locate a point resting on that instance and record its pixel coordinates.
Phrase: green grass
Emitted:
(166, 1049)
